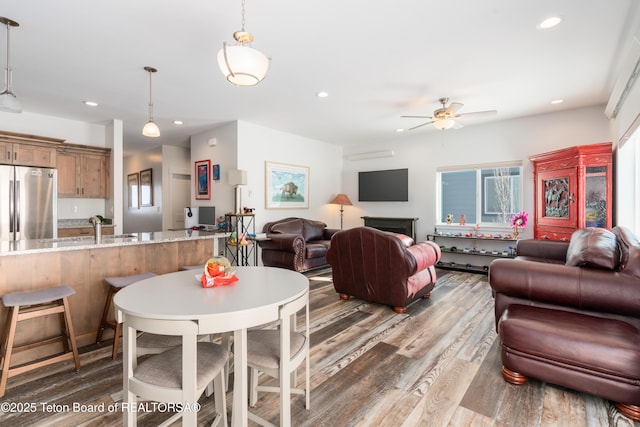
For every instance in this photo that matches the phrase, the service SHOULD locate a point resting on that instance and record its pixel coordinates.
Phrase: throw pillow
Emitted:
(593, 247)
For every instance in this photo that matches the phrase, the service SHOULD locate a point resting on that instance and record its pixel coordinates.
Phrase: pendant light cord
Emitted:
(150, 97)
(242, 16)
(7, 75)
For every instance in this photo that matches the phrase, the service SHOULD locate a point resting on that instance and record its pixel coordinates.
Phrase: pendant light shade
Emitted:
(150, 129)
(8, 100)
(241, 64)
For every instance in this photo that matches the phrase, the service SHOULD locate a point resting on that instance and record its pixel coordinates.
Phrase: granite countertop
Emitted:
(88, 242)
(78, 223)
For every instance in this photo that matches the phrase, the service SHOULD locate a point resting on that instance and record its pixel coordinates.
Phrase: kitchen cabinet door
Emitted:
(27, 155)
(83, 175)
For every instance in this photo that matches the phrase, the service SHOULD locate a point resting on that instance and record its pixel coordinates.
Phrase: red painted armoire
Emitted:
(572, 190)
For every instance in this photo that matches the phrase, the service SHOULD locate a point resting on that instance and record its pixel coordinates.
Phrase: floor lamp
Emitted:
(342, 200)
(238, 178)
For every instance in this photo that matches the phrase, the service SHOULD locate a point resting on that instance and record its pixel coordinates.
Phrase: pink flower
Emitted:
(519, 219)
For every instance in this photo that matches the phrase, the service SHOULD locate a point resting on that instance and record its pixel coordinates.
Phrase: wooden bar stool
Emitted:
(115, 284)
(30, 305)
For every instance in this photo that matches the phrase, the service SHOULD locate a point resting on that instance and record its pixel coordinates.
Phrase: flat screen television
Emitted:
(384, 186)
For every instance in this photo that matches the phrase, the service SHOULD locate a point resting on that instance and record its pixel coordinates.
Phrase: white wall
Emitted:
(625, 131)
(149, 218)
(257, 144)
(246, 146)
(225, 154)
(423, 151)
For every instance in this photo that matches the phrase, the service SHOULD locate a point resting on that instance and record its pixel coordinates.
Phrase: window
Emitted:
(486, 194)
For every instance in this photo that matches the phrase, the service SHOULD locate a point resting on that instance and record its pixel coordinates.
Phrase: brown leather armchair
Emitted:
(382, 267)
(568, 313)
(296, 244)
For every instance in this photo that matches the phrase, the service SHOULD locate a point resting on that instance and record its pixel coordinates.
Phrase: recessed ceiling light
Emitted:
(90, 103)
(399, 130)
(322, 94)
(557, 101)
(178, 122)
(549, 22)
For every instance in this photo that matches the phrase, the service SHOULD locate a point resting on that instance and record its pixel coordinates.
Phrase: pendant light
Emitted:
(241, 64)
(8, 100)
(150, 129)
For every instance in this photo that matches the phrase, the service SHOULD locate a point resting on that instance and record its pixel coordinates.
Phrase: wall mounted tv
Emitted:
(384, 186)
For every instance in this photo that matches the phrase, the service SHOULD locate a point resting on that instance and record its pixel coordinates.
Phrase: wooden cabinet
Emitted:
(82, 231)
(28, 150)
(572, 190)
(83, 172)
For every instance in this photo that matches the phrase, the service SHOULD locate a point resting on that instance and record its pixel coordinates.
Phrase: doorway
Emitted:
(180, 198)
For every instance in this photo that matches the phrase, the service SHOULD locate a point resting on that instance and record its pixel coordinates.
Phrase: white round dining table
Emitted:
(253, 300)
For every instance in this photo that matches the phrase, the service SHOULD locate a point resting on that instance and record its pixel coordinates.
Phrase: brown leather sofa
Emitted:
(382, 267)
(568, 313)
(296, 244)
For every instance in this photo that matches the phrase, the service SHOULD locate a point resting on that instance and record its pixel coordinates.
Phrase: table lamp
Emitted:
(342, 200)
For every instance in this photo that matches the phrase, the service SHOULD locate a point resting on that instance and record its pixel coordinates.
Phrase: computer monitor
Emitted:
(207, 215)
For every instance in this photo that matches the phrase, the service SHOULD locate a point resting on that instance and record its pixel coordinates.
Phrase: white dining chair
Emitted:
(278, 353)
(179, 375)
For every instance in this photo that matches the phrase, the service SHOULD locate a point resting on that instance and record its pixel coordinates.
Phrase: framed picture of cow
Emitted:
(287, 186)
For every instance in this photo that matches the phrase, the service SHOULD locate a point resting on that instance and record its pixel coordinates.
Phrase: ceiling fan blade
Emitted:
(451, 109)
(419, 126)
(457, 125)
(417, 117)
(479, 113)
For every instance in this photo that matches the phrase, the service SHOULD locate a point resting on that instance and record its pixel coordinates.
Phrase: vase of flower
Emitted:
(518, 220)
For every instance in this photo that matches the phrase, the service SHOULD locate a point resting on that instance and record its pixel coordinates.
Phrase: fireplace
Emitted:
(405, 226)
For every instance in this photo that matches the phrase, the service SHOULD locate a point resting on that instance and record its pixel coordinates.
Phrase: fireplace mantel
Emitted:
(406, 226)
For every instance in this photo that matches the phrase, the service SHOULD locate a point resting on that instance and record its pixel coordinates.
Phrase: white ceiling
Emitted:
(377, 59)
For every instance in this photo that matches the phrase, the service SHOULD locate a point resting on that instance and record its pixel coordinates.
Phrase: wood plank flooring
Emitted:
(436, 365)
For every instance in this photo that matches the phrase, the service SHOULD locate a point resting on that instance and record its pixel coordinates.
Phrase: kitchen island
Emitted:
(83, 264)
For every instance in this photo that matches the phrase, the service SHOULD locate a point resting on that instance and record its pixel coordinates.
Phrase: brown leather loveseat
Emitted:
(382, 267)
(568, 313)
(296, 244)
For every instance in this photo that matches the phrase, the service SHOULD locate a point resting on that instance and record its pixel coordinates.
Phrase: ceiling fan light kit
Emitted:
(8, 100)
(444, 124)
(241, 64)
(445, 117)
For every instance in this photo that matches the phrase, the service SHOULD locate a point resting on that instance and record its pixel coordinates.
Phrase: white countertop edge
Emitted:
(73, 243)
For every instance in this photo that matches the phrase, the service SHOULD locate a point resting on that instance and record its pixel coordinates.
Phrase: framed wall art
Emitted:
(146, 188)
(287, 186)
(215, 172)
(203, 186)
(133, 184)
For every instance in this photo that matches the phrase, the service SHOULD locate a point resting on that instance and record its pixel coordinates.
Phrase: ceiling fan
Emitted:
(445, 117)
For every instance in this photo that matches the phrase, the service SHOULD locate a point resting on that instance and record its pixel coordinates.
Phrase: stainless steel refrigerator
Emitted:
(28, 203)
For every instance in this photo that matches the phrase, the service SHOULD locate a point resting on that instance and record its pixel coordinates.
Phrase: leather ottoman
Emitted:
(563, 348)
